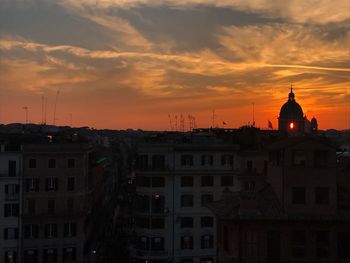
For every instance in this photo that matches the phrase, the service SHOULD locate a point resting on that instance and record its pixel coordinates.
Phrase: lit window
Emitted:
(291, 125)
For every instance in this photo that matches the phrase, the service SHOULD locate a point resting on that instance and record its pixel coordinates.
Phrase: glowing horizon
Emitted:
(132, 63)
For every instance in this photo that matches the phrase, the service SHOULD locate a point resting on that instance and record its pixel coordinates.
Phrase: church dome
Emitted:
(291, 109)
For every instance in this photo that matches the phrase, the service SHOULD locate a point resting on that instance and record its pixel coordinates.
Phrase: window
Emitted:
(187, 200)
(142, 203)
(31, 256)
(207, 180)
(70, 205)
(142, 222)
(249, 165)
(207, 241)
(12, 168)
(273, 240)
(157, 223)
(143, 243)
(298, 195)
(322, 195)
(299, 243)
(71, 163)
(158, 204)
(187, 160)
(207, 221)
(187, 242)
(52, 163)
(320, 158)
(51, 206)
(10, 256)
(11, 191)
(50, 230)
(69, 229)
(227, 180)
(187, 222)
(51, 184)
(226, 239)
(265, 168)
(142, 162)
(143, 181)
(249, 186)
(207, 160)
(206, 199)
(11, 210)
(70, 183)
(50, 255)
(32, 185)
(299, 158)
(69, 254)
(10, 233)
(344, 244)
(227, 160)
(252, 244)
(322, 244)
(31, 205)
(186, 181)
(158, 162)
(158, 181)
(31, 231)
(157, 243)
(32, 163)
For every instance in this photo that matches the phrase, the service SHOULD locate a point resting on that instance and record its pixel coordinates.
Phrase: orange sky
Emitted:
(131, 63)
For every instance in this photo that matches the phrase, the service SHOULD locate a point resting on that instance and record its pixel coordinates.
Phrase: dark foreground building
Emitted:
(54, 208)
(292, 213)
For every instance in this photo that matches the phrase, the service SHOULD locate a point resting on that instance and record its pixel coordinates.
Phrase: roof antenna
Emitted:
(55, 106)
(26, 110)
(253, 115)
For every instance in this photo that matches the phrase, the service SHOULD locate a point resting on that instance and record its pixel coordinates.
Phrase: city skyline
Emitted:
(131, 63)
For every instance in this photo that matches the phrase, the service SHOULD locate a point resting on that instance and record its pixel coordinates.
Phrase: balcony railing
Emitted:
(144, 253)
(11, 197)
(151, 168)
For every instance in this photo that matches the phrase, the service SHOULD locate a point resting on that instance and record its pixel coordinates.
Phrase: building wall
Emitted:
(9, 224)
(172, 191)
(252, 242)
(302, 171)
(69, 204)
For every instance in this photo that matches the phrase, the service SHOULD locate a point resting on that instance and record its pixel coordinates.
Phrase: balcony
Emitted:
(153, 169)
(250, 173)
(12, 197)
(56, 214)
(148, 254)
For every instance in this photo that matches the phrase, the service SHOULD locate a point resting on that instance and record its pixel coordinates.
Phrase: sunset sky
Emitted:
(129, 63)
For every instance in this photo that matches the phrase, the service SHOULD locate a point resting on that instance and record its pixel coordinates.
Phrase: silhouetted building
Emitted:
(54, 209)
(174, 182)
(314, 125)
(291, 118)
(10, 174)
(293, 215)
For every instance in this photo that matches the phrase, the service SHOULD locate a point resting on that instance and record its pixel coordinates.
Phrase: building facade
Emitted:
(174, 182)
(10, 176)
(294, 216)
(54, 210)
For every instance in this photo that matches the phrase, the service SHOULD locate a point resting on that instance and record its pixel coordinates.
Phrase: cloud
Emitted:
(316, 11)
(286, 46)
(144, 65)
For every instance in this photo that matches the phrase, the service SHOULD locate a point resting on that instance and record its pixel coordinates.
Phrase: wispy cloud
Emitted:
(317, 11)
